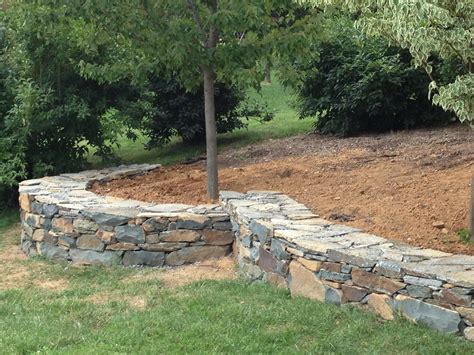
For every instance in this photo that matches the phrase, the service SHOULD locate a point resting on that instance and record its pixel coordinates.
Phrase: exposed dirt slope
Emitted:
(395, 185)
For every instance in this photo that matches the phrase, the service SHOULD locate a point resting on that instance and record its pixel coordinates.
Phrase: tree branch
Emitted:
(197, 18)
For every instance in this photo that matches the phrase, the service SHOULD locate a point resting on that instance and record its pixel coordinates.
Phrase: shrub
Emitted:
(177, 112)
(362, 84)
(50, 116)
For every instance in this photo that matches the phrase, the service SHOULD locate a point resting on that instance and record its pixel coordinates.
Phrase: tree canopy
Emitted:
(197, 42)
(426, 27)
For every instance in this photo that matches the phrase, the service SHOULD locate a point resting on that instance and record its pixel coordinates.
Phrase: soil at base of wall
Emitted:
(397, 185)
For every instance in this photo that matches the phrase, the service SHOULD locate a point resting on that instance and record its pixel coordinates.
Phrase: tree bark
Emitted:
(470, 222)
(211, 134)
(268, 72)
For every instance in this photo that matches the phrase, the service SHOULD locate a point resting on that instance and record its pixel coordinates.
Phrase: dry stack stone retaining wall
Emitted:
(275, 239)
(280, 241)
(62, 220)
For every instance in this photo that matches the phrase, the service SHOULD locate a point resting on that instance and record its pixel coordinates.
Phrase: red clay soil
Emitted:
(395, 185)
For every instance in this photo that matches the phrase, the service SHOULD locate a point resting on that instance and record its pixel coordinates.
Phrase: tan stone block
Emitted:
(63, 225)
(39, 235)
(353, 293)
(305, 283)
(165, 247)
(380, 304)
(196, 253)
(105, 237)
(374, 282)
(177, 236)
(332, 284)
(25, 202)
(217, 237)
(89, 242)
(276, 280)
(467, 313)
(295, 252)
(312, 265)
(469, 333)
(334, 267)
(121, 246)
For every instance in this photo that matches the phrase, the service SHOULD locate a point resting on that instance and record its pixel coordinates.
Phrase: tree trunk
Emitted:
(211, 134)
(470, 222)
(268, 72)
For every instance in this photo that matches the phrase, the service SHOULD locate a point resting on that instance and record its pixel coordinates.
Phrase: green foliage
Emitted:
(362, 84)
(464, 235)
(175, 111)
(49, 114)
(163, 39)
(427, 28)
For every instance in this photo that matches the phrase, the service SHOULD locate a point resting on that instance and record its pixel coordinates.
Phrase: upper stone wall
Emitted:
(62, 220)
(281, 241)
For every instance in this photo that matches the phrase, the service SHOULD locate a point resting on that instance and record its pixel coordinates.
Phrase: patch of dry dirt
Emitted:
(56, 285)
(394, 185)
(136, 302)
(212, 269)
(14, 274)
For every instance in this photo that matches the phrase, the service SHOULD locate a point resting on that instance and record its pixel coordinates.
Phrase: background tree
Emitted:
(425, 27)
(197, 42)
(362, 84)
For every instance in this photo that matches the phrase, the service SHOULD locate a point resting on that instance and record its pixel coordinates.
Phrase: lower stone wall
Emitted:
(281, 242)
(62, 220)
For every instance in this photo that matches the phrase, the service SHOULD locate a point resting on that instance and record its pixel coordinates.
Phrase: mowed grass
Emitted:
(58, 308)
(285, 124)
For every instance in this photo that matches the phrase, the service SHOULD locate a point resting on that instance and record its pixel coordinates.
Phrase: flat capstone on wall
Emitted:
(274, 238)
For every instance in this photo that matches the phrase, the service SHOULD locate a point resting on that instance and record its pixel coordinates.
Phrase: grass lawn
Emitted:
(286, 123)
(56, 308)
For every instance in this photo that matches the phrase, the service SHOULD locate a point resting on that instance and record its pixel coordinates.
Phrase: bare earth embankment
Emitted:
(395, 185)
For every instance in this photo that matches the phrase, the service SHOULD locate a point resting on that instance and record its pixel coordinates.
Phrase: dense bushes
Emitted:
(362, 84)
(175, 111)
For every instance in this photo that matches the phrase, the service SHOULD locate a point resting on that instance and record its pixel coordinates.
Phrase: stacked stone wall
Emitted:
(280, 241)
(62, 220)
(274, 238)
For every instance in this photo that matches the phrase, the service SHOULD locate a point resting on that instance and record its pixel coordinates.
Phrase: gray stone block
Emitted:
(419, 291)
(49, 210)
(52, 252)
(90, 257)
(193, 222)
(435, 317)
(419, 281)
(278, 249)
(130, 234)
(263, 230)
(148, 258)
(347, 256)
(333, 296)
(333, 276)
(195, 254)
(106, 219)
